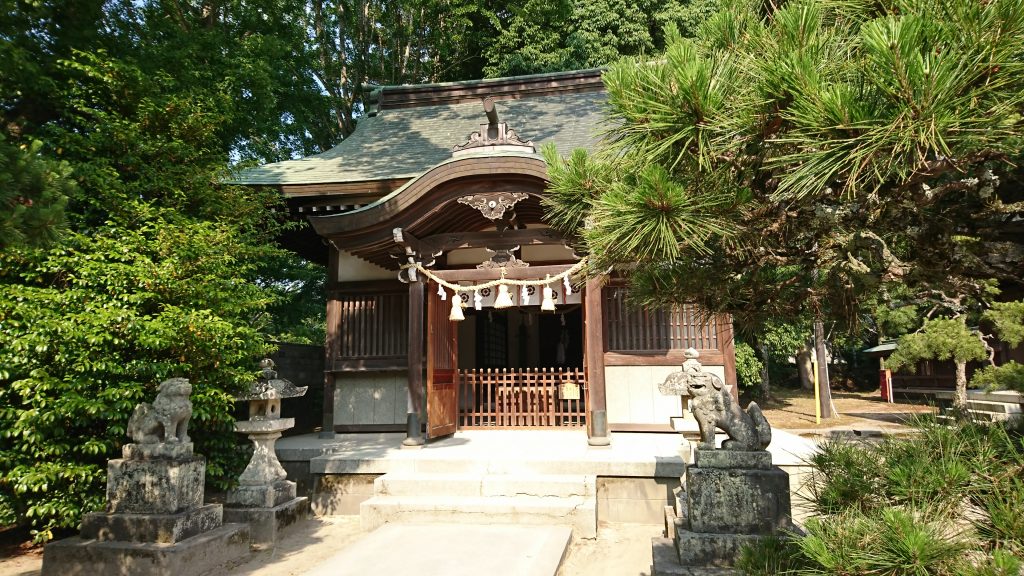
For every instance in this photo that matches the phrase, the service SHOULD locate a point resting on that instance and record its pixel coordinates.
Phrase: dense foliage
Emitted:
(119, 119)
(89, 329)
(544, 36)
(813, 159)
(944, 501)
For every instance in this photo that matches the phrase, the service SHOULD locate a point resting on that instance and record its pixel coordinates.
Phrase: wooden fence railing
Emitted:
(522, 398)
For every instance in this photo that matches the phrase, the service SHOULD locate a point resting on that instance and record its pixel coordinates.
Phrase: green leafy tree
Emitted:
(539, 36)
(138, 109)
(88, 330)
(941, 339)
(748, 367)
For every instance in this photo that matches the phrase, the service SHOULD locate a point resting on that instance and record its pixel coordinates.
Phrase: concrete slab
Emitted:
(452, 550)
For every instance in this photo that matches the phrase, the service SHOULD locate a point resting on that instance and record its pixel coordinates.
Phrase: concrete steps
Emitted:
(561, 485)
(475, 498)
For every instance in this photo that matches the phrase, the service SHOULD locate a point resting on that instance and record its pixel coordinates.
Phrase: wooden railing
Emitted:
(522, 398)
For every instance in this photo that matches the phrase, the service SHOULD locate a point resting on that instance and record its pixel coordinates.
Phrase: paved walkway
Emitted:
(452, 550)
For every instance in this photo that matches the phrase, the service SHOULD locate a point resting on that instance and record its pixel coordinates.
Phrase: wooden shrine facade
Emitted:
(438, 194)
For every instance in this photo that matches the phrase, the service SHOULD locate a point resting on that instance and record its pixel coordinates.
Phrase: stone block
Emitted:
(737, 501)
(665, 562)
(710, 549)
(157, 528)
(205, 554)
(266, 524)
(261, 496)
(155, 486)
(160, 450)
(757, 459)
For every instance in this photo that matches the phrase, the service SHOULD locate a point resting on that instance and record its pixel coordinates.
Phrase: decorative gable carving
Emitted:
(493, 205)
(493, 134)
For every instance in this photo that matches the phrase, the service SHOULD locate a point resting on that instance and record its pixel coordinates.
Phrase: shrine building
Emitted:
(435, 201)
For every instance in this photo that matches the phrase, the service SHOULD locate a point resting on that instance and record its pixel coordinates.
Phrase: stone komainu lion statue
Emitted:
(166, 419)
(713, 407)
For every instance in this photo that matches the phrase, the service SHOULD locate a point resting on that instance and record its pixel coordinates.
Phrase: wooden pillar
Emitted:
(332, 343)
(727, 346)
(597, 419)
(414, 405)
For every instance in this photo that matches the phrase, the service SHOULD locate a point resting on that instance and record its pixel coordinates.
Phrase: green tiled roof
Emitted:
(406, 142)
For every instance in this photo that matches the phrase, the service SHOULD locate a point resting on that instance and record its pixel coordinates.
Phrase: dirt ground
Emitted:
(18, 557)
(621, 549)
(794, 410)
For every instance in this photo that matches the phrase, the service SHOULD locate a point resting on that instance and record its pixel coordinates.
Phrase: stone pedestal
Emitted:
(155, 522)
(266, 523)
(264, 498)
(155, 486)
(732, 498)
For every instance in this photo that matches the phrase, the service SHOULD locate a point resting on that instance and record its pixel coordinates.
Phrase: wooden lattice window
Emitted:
(374, 326)
(634, 329)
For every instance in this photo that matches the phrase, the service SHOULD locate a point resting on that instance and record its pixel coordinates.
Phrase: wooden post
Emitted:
(332, 343)
(824, 390)
(597, 419)
(414, 405)
(727, 345)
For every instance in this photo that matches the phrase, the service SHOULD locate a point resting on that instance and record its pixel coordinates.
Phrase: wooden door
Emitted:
(442, 364)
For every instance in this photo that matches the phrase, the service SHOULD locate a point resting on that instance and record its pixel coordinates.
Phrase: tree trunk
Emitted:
(805, 368)
(960, 397)
(766, 387)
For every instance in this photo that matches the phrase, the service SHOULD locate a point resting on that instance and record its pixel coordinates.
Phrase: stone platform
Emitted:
(153, 528)
(204, 554)
(732, 499)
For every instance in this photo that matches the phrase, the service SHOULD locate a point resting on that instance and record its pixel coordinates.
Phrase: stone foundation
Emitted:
(205, 554)
(155, 528)
(733, 498)
(265, 524)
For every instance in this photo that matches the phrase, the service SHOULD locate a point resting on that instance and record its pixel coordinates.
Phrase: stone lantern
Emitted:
(265, 498)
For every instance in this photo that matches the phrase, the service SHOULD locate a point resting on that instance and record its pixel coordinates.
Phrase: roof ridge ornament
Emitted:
(493, 135)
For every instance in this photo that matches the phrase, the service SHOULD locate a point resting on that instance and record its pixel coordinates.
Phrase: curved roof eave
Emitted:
(389, 209)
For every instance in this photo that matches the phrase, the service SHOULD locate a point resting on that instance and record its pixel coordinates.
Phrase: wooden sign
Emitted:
(569, 391)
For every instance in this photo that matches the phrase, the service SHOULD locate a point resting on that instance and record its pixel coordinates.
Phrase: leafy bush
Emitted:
(944, 501)
(1009, 376)
(748, 367)
(88, 329)
(845, 476)
(894, 541)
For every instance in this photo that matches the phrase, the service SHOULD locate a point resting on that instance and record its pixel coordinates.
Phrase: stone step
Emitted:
(994, 407)
(412, 484)
(578, 512)
(602, 465)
